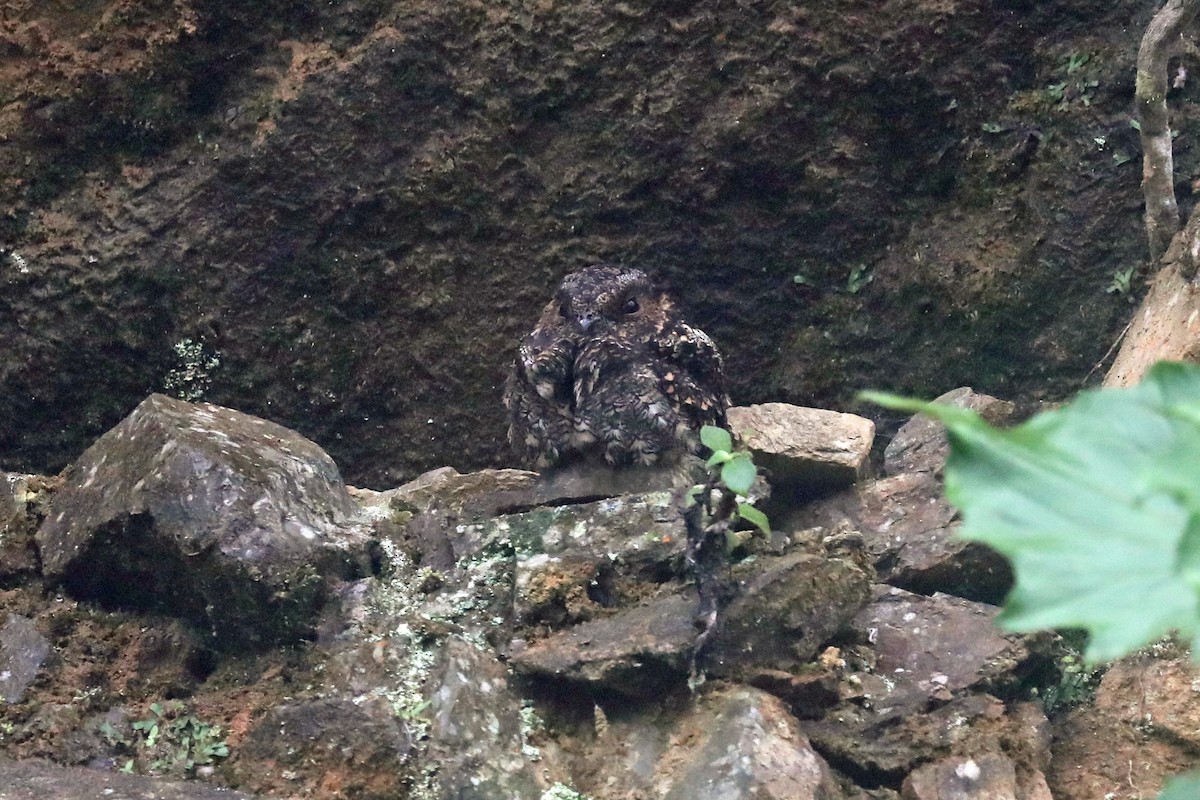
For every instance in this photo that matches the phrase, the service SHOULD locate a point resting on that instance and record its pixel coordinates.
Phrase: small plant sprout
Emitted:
(169, 740)
(860, 276)
(737, 473)
(1120, 281)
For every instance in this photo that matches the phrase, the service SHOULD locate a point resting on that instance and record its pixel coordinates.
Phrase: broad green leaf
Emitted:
(1097, 505)
(715, 438)
(1182, 787)
(719, 457)
(754, 516)
(738, 473)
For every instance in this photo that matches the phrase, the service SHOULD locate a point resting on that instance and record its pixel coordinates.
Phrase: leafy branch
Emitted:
(714, 508)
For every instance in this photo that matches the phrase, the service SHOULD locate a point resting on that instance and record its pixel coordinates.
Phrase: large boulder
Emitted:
(202, 512)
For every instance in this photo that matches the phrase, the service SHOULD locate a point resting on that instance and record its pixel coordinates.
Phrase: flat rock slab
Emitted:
(804, 450)
(929, 648)
(484, 493)
(583, 481)
(642, 652)
(22, 651)
(37, 780)
(889, 745)
(635, 529)
(202, 512)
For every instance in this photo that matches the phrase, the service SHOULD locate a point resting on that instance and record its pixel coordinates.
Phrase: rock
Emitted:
(804, 450)
(436, 503)
(742, 744)
(574, 562)
(477, 495)
(1138, 729)
(930, 648)
(1161, 696)
(22, 651)
(988, 776)
(476, 745)
(1165, 325)
(921, 444)
(203, 512)
(909, 530)
(584, 481)
(808, 694)
(643, 529)
(38, 780)
(785, 610)
(559, 591)
(350, 747)
(641, 652)
(886, 747)
(722, 743)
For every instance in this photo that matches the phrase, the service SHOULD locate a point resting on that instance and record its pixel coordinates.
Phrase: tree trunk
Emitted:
(1167, 323)
(1160, 41)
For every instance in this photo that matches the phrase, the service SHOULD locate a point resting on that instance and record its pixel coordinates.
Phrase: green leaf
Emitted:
(715, 438)
(899, 403)
(733, 540)
(738, 474)
(1096, 506)
(1182, 787)
(719, 457)
(754, 516)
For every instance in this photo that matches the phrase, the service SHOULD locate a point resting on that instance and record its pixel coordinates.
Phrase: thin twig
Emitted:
(1113, 347)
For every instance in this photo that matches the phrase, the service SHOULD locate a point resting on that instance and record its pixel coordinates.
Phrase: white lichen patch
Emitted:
(561, 791)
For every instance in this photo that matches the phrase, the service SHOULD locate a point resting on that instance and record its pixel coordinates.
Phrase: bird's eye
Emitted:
(563, 310)
(631, 306)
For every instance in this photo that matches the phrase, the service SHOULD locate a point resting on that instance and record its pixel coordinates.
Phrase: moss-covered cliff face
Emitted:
(362, 205)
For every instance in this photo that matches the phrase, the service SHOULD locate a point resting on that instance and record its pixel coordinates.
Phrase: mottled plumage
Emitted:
(612, 368)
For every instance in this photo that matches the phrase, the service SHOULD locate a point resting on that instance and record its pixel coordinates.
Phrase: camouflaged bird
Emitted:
(611, 368)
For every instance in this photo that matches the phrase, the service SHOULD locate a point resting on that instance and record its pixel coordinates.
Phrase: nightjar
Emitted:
(612, 369)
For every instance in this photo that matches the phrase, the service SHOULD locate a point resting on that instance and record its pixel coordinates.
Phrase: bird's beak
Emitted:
(586, 321)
